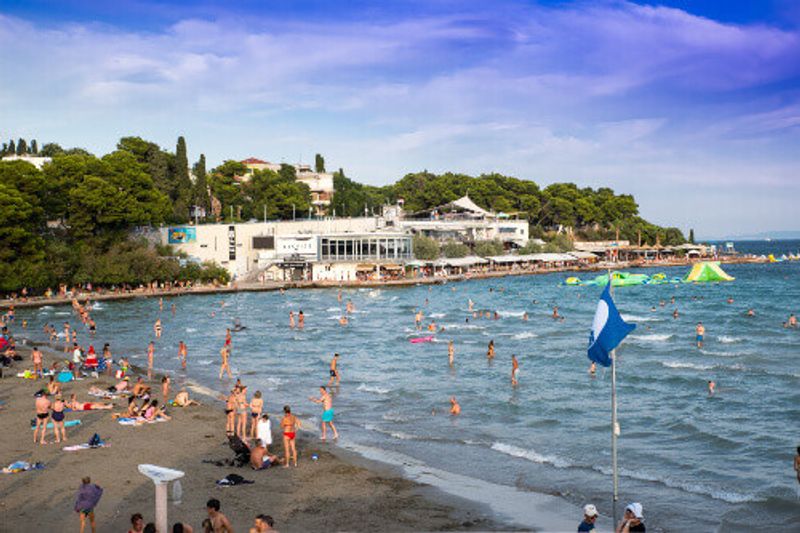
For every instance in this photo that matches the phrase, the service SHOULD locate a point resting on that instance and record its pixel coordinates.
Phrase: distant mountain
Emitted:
(773, 235)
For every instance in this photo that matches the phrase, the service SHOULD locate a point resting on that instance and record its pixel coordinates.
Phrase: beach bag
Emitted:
(95, 441)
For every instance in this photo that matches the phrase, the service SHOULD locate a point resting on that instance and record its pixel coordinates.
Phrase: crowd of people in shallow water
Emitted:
(246, 418)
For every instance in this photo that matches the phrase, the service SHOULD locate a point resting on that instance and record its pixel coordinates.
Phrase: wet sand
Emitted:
(339, 492)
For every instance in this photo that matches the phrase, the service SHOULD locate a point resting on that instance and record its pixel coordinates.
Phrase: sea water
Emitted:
(696, 462)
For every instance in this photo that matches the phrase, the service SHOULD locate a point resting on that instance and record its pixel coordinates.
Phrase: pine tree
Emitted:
(34, 147)
(22, 147)
(4, 150)
(11, 147)
(183, 184)
(691, 235)
(319, 163)
(200, 196)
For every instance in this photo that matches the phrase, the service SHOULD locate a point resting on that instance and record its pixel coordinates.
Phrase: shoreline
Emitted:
(236, 287)
(343, 489)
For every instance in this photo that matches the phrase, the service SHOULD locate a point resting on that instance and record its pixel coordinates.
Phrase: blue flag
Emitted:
(608, 329)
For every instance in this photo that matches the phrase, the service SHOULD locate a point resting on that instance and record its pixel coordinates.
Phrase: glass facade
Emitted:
(365, 248)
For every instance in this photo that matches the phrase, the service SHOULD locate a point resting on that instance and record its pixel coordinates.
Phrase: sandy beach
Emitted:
(339, 492)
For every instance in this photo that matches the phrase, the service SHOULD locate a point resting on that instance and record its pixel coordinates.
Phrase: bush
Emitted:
(488, 248)
(455, 249)
(425, 248)
(531, 247)
(559, 243)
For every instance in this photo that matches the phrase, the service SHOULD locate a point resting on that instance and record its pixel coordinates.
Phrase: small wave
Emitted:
(678, 364)
(723, 354)
(98, 305)
(62, 313)
(463, 326)
(525, 335)
(725, 339)
(636, 318)
(438, 315)
(46, 307)
(373, 389)
(191, 330)
(334, 309)
(653, 337)
(530, 455)
(511, 313)
(686, 486)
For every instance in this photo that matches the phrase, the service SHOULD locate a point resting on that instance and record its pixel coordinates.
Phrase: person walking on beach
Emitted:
(219, 522)
(327, 414)
(256, 406)
(182, 353)
(230, 413)
(514, 370)
(700, 331)
(289, 424)
(165, 381)
(224, 366)
(87, 499)
(589, 518)
(42, 405)
(151, 352)
(334, 370)
(36, 357)
(451, 352)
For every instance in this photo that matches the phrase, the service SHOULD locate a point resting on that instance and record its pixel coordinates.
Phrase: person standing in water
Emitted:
(157, 328)
(334, 371)
(151, 352)
(700, 331)
(451, 352)
(490, 350)
(593, 369)
(291, 319)
(327, 414)
(455, 409)
(514, 371)
(182, 353)
(301, 319)
(797, 464)
(224, 366)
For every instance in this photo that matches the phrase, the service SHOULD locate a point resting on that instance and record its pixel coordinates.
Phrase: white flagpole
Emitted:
(614, 424)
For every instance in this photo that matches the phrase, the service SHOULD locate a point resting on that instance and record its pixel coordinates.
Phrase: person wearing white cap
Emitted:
(632, 521)
(589, 518)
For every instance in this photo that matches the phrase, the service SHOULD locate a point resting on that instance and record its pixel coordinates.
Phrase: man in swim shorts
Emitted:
(260, 459)
(334, 370)
(327, 415)
(700, 330)
(42, 405)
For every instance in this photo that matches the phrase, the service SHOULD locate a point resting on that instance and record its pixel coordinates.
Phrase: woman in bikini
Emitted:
(255, 413)
(241, 412)
(58, 419)
(289, 424)
(230, 417)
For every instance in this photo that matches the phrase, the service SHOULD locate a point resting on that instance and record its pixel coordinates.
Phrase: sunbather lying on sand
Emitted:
(75, 405)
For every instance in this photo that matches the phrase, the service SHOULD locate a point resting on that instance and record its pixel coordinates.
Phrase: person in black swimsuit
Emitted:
(58, 419)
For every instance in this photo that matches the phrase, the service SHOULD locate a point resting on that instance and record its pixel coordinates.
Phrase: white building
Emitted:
(36, 161)
(320, 183)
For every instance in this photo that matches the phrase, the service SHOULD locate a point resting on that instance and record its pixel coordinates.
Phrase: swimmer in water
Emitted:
(514, 371)
(750, 312)
(675, 314)
(455, 409)
(343, 320)
(730, 300)
(711, 387)
(593, 369)
(182, 353)
(301, 319)
(525, 315)
(556, 316)
(792, 323)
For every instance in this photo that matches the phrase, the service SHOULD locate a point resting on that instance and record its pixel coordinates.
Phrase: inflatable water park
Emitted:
(704, 272)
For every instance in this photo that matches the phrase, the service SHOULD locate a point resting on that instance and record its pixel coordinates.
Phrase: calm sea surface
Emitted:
(695, 462)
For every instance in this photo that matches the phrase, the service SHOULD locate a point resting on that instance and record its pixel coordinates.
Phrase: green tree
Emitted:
(51, 150)
(225, 188)
(34, 147)
(200, 196)
(531, 247)
(319, 163)
(182, 192)
(488, 248)
(22, 147)
(691, 235)
(455, 249)
(280, 193)
(560, 242)
(12, 147)
(425, 248)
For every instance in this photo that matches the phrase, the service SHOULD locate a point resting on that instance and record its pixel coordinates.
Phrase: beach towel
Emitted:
(88, 497)
(79, 447)
(67, 424)
(64, 377)
(22, 466)
(233, 479)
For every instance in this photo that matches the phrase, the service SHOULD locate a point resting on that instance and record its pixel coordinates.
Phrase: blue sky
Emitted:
(692, 106)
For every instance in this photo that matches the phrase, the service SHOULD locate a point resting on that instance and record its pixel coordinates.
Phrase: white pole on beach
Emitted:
(614, 424)
(161, 477)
